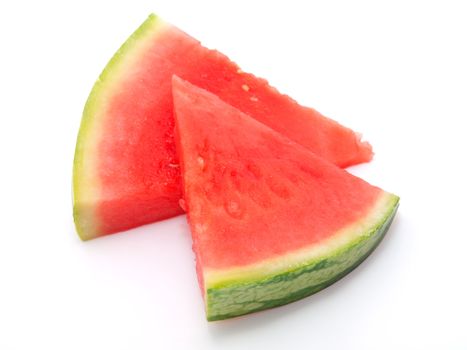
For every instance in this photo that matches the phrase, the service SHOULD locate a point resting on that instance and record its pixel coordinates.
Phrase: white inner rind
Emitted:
(86, 184)
(363, 228)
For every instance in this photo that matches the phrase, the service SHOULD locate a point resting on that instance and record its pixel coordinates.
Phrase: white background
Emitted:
(395, 70)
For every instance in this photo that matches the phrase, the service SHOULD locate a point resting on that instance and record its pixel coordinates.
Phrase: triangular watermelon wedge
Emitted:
(271, 221)
(125, 170)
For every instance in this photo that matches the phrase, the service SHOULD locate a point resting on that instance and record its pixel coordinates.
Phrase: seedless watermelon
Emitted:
(271, 222)
(125, 170)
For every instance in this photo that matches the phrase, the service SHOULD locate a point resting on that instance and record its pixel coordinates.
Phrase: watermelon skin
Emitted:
(236, 297)
(125, 171)
(271, 222)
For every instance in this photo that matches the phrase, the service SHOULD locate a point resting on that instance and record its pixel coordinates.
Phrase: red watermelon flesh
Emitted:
(126, 173)
(263, 208)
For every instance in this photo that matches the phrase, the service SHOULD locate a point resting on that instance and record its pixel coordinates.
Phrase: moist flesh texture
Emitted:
(125, 160)
(271, 221)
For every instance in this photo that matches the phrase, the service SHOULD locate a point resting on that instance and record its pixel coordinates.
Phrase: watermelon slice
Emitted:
(271, 222)
(125, 171)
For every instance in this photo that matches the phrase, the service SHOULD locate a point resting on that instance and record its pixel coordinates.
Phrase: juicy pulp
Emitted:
(125, 170)
(271, 221)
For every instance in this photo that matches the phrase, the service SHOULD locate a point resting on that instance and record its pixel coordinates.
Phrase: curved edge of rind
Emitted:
(244, 298)
(84, 217)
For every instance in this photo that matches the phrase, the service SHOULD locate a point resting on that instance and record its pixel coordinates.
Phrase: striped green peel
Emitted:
(228, 295)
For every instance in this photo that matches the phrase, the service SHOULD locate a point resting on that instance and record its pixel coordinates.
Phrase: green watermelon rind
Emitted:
(236, 298)
(84, 215)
